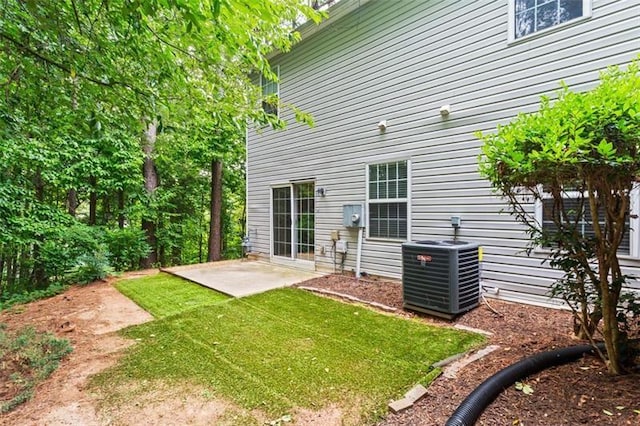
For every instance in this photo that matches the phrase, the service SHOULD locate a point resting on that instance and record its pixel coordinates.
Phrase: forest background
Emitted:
(122, 127)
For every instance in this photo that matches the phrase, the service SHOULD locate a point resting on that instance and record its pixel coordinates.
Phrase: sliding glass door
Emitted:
(293, 221)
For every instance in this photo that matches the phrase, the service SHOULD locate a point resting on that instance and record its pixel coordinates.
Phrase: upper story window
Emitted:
(270, 93)
(528, 17)
(388, 200)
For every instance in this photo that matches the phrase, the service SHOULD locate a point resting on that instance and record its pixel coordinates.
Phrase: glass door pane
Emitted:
(282, 221)
(304, 201)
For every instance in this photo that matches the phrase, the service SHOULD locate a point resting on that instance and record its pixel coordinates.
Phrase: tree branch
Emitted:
(97, 15)
(31, 52)
(13, 76)
(171, 45)
(75, 13)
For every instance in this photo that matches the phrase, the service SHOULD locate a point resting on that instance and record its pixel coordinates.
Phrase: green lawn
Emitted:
(284, 349)
(163, 295)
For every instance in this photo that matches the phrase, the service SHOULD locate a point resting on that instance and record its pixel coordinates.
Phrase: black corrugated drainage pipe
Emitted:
(470, 409)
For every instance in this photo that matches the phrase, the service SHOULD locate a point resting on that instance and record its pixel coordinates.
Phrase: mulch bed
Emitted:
(577, 393)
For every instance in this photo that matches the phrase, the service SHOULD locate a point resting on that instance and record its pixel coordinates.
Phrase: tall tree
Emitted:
(151, 183)
(76, 78)
(215, 226)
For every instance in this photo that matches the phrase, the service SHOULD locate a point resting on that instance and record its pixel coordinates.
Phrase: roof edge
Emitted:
(336, 12)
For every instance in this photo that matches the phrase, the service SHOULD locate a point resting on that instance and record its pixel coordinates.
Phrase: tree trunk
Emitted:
(215, 228)
(1, 272)
(39, 275)
(150, 173)
(72, 202)
(586, 323)
(611, 334)
(607, 276)
(174, 251)
(176, 255)
(25, 269)
(149, 227)
(162, 248)
(11, 270)
(106, 209)
(93, 201)
(121, 209)
(151, 182)
(200, 230)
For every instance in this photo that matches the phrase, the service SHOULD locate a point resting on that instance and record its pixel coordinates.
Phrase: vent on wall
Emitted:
(440, 277)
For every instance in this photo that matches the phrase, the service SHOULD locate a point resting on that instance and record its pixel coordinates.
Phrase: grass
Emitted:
(284, 349)
(26, 358)
(163, 295)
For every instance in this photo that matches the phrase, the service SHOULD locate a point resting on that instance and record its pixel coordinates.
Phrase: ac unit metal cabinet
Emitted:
(440, 277)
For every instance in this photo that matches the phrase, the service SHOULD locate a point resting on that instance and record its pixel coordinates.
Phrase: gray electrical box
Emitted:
(353, 216)
(342, 246)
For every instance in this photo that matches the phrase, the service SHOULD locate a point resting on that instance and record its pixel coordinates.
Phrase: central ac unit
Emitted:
(440, 277)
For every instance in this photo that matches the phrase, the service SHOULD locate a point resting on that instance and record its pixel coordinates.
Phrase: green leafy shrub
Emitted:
(7, 299)
(89, 267)
(126, 247)
(28, 358)
(68, 247)
(584, 147)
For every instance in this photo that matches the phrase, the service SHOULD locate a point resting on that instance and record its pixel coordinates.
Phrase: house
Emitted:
(397, 89)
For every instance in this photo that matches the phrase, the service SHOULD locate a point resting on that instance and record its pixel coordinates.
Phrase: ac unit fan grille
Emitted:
(441, 277)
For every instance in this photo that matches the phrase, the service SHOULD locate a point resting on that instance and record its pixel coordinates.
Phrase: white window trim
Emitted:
(634, 222)
(276, 70)
(388, 200)
(511, 36)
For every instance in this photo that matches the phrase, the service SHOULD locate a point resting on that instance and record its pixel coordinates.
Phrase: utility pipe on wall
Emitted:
(359, 251)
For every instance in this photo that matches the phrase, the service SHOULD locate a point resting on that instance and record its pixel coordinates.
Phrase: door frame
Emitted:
(291, 260)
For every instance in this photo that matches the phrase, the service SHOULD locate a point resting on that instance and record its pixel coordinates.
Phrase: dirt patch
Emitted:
(159, 404)
(330, 416)
(88, 317)
(576, 393)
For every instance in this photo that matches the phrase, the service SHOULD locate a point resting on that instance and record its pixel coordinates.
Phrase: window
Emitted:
(572, 205)
(527, 17)
(387, 200)
(270, 93)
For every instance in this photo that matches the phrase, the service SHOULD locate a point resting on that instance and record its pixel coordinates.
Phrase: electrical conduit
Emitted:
(472, 407)
(359, 251)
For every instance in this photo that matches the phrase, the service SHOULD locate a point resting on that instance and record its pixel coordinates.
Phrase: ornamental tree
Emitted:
(578, 158)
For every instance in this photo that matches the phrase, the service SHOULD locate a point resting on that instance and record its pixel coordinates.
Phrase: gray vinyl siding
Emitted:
(401, 60)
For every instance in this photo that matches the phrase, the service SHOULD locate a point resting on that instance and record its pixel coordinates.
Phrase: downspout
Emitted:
(245, 227)
(359, 251)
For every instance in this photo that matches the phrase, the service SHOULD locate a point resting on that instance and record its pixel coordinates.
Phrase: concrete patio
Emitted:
(238, 278)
